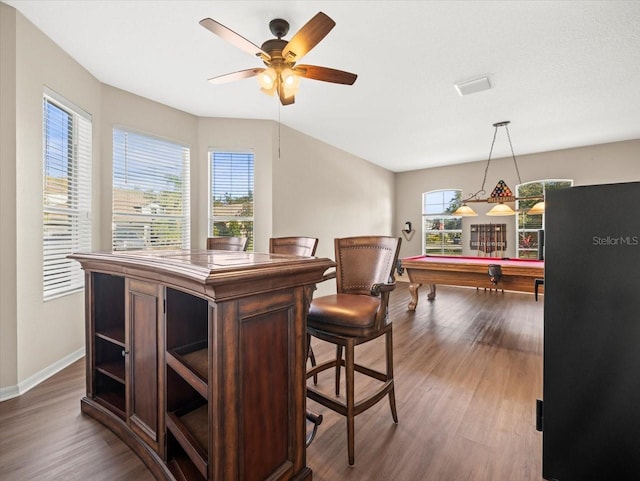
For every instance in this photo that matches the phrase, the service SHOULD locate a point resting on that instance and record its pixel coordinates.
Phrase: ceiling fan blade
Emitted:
(308, 37)
(234, 38)
(239, 75)
(326, 74)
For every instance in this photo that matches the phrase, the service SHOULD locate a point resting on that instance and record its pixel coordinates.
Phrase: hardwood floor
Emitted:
(44, 436)
(468, 369)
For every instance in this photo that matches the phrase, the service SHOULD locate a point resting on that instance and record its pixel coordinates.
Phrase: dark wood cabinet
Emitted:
(143, 361)
(196, 359)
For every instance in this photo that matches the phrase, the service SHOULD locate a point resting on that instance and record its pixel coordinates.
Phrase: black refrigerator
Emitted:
(590, 412)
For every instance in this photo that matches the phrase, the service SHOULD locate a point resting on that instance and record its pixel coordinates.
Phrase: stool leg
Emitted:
(349, 372)
(338, 365)
(392, 394)
(312, 356)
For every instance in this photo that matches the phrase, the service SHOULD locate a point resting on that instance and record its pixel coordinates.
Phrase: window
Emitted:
(151, 207)
(66, 194)
(231, 195)
(442, 231)
(528, 225)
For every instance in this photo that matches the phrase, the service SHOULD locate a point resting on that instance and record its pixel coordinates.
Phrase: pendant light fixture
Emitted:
(501, 193)
(537, 209)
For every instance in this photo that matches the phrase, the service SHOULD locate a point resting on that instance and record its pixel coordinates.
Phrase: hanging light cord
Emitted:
(486, 169)
(278, 130)
(513, 156)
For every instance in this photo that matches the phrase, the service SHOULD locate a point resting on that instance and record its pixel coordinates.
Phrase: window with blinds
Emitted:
(231, 195)
(66, 194)
(151, 206)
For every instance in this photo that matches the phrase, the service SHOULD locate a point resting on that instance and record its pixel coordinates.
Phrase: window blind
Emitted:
(66, 194)
(151, 200)
(231, 194)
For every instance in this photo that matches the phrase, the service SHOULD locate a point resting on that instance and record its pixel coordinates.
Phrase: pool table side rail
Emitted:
(515, 276)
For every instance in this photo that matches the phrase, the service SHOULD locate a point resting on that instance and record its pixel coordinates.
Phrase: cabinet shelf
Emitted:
(191, 431)
(112, 401)
(191, 363)
(183, 470)
(114, 369)
(113, 334)
(109, 392)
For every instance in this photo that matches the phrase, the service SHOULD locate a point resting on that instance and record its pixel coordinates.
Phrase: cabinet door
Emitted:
(143, 406)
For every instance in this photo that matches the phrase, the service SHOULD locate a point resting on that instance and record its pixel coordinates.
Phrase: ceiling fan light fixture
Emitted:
(267, 78)
(270, 92)
(280, 56)
(289, 78)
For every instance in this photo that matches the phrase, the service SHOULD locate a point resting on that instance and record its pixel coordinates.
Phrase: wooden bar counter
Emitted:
(196, 359)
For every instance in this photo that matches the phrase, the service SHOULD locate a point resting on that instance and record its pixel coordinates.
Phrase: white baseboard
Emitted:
(32, 381)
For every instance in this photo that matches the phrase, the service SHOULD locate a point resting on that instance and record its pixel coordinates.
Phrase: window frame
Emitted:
(522, 206)
(444, 216)
(154, 214)
(240, 229)
(66, 203)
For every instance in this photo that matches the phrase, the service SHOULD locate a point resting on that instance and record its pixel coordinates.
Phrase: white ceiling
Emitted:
(565, 73)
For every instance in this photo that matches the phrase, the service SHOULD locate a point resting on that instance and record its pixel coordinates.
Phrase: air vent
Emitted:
(472, 86)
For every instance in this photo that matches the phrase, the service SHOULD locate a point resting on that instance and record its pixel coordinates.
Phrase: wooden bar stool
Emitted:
(356, 314)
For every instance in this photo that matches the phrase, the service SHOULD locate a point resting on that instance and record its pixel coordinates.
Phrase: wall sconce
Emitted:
(407, 228)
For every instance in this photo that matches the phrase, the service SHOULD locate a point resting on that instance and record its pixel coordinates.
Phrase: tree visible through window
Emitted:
(66, 194)
(442, 231)
(151, 206)
(529, 225)
(231, 195)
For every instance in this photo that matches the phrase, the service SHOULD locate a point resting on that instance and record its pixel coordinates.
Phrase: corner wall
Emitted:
(49, 334)
(8, 300)
(321, 191)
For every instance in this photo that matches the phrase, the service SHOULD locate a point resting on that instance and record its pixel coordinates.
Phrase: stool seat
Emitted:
(344, 314)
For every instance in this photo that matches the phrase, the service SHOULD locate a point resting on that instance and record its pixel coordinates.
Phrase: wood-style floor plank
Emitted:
(468, 369)
(44, 436)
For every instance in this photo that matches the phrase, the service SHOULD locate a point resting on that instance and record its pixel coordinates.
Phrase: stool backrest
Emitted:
(227, 243)
(295, 246)
(364, 261)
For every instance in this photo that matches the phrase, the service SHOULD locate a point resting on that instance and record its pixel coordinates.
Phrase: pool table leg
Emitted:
(413, 290)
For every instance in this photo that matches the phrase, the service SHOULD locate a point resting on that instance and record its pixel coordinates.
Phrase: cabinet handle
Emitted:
(124, 353)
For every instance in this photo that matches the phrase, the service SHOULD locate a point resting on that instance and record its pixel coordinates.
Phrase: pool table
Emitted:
(517, 274)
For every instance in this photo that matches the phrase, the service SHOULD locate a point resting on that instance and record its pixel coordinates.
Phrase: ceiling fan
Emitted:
(282, 74)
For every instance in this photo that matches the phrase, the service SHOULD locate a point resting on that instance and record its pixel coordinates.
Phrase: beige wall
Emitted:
(320, 191)
(312, 188)
(42, 333)
(596, 164)
(8, 300)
